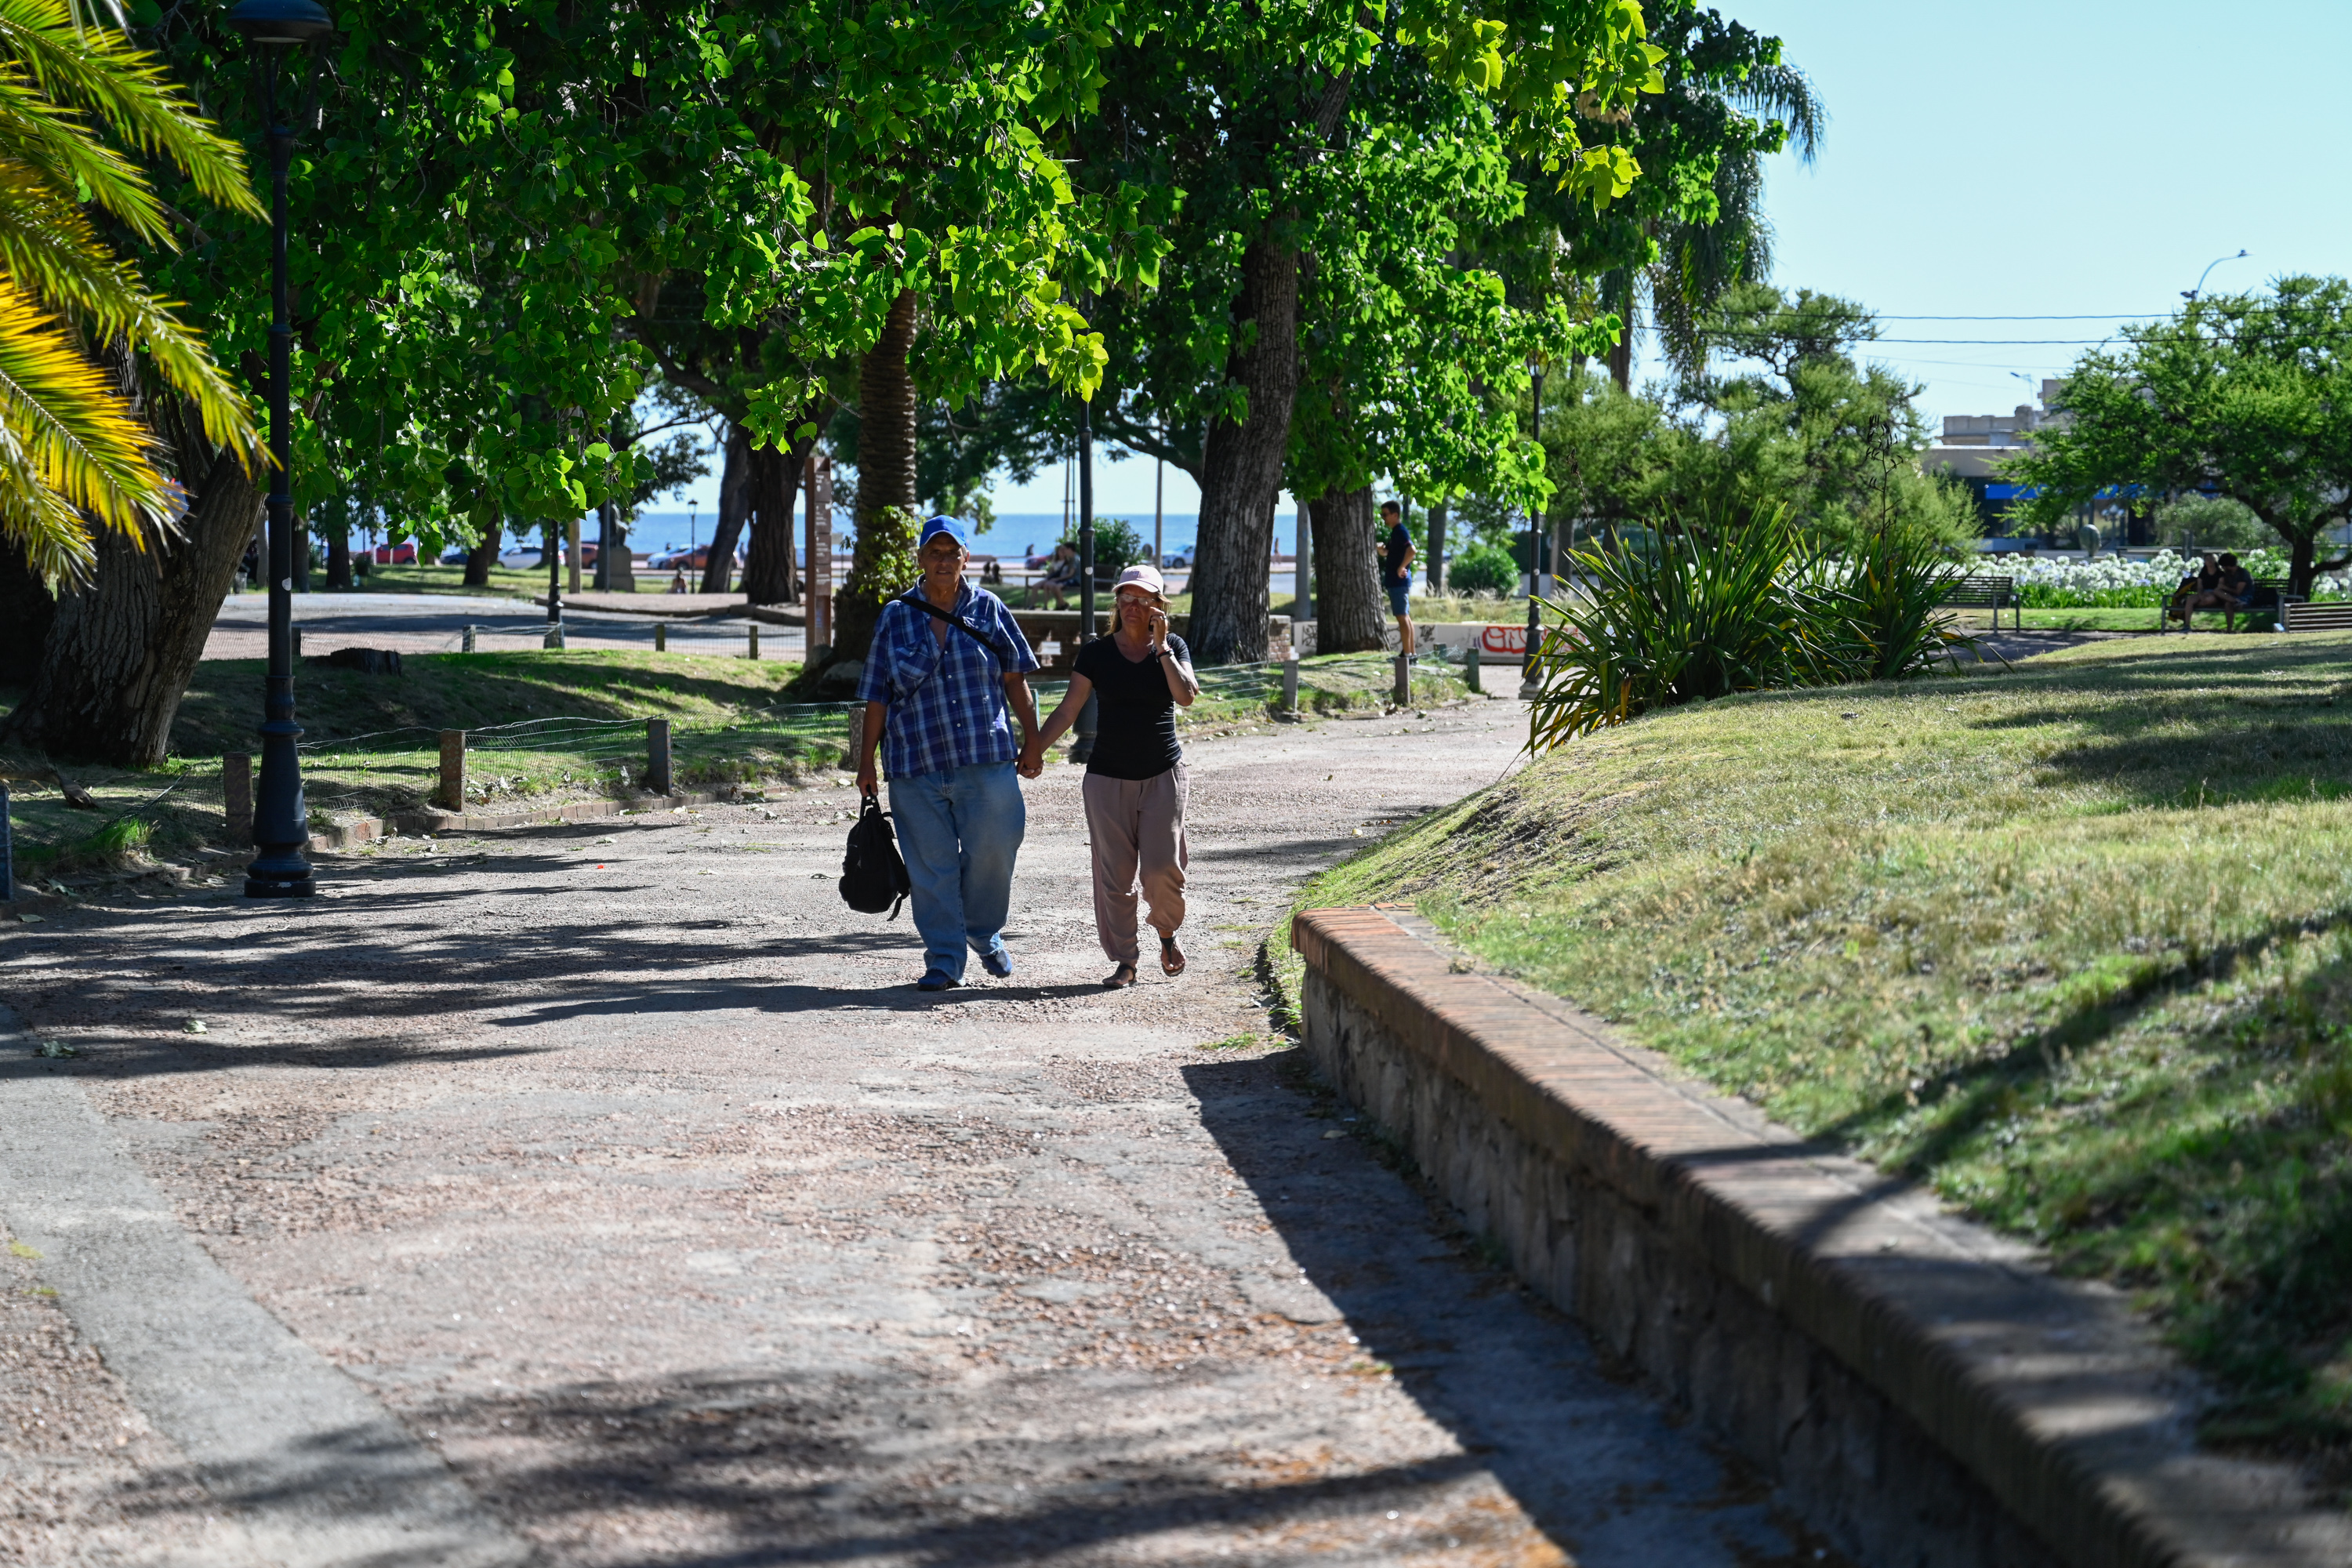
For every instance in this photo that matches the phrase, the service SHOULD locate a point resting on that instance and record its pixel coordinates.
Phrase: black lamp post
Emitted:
(280, 820)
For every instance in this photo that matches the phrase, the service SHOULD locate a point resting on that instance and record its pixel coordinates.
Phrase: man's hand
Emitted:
(1032, 760)
(868, 780)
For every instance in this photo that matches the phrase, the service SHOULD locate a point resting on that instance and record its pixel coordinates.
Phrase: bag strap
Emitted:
(914, 597)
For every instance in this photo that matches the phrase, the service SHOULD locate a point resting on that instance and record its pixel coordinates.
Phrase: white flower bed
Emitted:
(2118, 582)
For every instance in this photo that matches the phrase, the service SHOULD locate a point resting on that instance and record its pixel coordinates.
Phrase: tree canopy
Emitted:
(2247, 396)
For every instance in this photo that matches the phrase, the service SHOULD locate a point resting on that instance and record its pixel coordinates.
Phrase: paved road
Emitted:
(435, 622)
(629, 1173)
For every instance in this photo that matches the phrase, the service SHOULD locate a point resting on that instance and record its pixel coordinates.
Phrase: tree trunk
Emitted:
(1240, 464)
(123, 647)
(2302, 553)
(1621, 353)
(771, 575)
(1350, 616)
(884, 562)
(485, 555)
(26, 612)
(613, 561)
(734, 508)
(338, 556)
(1437, 547)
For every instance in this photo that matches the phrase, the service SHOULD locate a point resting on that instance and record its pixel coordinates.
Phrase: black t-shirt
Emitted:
(1135, 719)
(1399, 543)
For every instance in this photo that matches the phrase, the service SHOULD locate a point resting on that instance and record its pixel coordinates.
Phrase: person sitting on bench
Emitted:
(2202, 590)
(1061, 572)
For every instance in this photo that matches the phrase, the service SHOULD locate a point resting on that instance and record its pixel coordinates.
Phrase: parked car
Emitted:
(527, 559)
(456, 555)
(396, 554)
(695, 560)
(1180, 560)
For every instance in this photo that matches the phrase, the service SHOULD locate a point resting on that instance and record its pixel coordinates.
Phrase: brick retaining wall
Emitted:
(1920, 1390)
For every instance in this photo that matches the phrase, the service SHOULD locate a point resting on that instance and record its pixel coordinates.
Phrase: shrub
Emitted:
(1117, 546)
(1736, 606)
(1483, 569)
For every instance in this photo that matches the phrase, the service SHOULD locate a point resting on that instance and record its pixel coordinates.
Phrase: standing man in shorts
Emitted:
(1396, 572)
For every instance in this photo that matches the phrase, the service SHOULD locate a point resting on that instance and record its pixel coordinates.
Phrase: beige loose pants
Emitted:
(1138, 828)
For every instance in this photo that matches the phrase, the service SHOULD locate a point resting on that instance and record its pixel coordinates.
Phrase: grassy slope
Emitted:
(2074, 943)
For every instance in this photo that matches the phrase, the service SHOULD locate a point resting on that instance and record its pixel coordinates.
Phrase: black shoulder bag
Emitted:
(874, 874)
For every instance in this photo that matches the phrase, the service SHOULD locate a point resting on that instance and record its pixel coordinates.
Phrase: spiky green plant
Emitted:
(1736, 606)
(79, 102)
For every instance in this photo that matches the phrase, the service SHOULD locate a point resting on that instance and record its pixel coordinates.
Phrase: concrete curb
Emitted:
(370, 828)
(319, 1475)
(1921, 1390)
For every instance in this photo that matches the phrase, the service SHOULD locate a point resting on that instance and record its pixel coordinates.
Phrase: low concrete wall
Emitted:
(1920, 1390)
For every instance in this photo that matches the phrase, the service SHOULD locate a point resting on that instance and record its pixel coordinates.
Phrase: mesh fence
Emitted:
(593, 739)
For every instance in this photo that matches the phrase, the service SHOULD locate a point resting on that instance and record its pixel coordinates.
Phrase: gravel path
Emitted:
(629, 1173)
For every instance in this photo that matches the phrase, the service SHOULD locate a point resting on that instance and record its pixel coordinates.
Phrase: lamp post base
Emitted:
(271, 888)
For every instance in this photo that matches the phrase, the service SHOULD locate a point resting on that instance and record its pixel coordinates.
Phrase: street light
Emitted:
(280, 820)
(2190, 294)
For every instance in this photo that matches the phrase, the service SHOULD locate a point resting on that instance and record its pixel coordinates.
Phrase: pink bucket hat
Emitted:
(1147, 578)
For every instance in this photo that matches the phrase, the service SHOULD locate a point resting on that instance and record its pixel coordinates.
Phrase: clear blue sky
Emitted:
(2083, 157)
(2076, 158)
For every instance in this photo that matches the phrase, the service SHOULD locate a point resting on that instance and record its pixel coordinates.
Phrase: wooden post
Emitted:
(451, 796)
(1470, 663)
(237, 795)
(467, 646)
(1290, 687)
(661, 636)
(1404, 680)
(753, 644)
(657, 776)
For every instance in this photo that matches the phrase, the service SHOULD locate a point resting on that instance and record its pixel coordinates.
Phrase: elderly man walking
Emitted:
(948, 672)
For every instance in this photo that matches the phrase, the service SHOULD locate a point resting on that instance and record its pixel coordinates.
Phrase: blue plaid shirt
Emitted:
(946, 700)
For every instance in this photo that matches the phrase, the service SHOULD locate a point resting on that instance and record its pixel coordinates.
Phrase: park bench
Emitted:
(1994, 594)
(2270, 597)
(2300, 615)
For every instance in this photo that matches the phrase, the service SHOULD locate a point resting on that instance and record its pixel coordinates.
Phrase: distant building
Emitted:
(1976, 444)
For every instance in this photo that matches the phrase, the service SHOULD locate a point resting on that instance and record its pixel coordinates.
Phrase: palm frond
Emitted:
(1786, 94)
(100, 70)
(58, 144)
(73, 442)
(49, 247)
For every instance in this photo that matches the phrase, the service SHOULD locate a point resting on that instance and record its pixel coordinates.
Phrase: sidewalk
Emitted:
(629, 1174)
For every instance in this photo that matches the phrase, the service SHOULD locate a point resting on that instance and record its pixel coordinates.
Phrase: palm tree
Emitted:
(77, 102)
(1697, 263)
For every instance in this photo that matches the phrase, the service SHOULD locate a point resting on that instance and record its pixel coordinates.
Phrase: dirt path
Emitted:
(630, 1174)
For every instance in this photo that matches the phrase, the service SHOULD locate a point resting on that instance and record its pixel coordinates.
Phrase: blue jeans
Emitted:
(960, 829)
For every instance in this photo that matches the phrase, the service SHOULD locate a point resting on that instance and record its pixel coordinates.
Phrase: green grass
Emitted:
(729, 724)
(2072, 944)
(2100, 620)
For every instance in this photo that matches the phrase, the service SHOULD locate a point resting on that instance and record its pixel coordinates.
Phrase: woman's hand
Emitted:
(1158, 629)
(1032, 760)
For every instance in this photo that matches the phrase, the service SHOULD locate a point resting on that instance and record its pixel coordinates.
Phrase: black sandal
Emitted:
(1120, 978)
(1171, 957)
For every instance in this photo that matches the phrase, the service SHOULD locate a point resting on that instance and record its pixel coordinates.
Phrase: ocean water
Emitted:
(1014, 534)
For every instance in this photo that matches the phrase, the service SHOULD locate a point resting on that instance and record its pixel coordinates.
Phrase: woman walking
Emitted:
(1135, 782)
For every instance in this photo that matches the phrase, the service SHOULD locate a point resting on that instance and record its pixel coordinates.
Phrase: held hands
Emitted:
(1033, 758)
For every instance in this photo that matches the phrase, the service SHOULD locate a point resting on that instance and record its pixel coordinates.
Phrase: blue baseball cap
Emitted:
(953, 527)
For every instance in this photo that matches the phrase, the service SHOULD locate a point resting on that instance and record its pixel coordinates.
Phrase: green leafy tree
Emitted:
(1240, 105)
(2245, 397)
